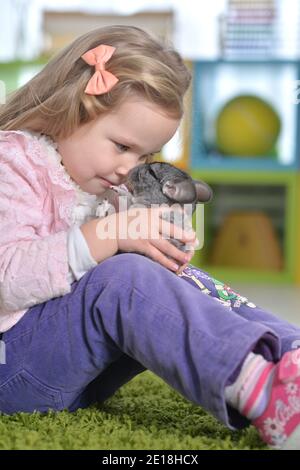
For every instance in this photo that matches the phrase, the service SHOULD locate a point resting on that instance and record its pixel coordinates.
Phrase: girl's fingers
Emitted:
(170, 251)
(181, 230)
(153, 225)
(156, 255)
(169, 230)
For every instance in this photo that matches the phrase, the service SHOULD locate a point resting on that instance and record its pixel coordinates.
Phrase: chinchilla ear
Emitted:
(180, 190)
(204, 192)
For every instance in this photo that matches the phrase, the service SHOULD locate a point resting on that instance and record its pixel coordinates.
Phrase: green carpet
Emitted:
(144, 414)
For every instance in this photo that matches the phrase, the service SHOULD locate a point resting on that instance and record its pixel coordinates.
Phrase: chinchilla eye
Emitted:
(152, 173)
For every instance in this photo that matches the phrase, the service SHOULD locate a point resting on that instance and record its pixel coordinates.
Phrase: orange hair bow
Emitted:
(102, 81)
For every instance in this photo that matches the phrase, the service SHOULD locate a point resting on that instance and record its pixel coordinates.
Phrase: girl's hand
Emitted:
(142, 230)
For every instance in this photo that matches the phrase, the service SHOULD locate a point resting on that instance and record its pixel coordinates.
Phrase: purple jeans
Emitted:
(129, 314)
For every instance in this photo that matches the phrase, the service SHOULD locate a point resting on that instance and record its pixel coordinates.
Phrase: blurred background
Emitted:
(241, 128)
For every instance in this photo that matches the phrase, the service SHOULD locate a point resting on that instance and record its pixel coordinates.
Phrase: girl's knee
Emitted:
(124, 264)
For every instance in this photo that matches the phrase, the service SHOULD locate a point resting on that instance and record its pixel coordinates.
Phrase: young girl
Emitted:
(78, 322)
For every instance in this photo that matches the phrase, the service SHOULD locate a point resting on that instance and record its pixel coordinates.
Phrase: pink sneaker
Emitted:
(279, 425)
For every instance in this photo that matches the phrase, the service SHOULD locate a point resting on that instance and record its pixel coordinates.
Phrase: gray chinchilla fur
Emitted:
(160, 183)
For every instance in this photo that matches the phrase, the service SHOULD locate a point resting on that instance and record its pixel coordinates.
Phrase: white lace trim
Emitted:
(86, 204)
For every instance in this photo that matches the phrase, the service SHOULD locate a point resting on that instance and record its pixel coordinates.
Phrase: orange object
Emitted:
(102, 80)
(247, 240)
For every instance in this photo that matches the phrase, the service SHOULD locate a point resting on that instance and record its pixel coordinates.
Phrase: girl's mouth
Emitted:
(106, 182)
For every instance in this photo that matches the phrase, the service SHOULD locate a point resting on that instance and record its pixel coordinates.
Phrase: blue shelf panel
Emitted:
(217, 81)
(243, 61)
(234, 163)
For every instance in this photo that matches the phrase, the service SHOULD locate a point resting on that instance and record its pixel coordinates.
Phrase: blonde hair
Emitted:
(54, 103)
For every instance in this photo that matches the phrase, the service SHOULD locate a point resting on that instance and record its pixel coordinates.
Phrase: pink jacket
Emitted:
(36, 203)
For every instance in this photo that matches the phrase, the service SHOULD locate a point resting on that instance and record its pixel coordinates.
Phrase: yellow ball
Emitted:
(247, 126)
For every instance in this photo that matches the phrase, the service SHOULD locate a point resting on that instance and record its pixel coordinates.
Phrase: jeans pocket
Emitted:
(24, 392)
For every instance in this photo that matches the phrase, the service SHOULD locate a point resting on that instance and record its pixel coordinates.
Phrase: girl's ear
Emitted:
(180, 190)
(204, 192)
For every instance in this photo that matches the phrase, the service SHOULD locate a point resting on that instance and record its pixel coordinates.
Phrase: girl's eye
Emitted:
(121, 147)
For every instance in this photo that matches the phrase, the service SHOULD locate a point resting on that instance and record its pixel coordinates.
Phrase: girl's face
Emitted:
(101, 153)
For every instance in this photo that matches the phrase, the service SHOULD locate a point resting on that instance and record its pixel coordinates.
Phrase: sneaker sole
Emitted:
(293, 442)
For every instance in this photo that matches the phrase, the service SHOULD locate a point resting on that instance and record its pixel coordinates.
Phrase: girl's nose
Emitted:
(124, 169)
